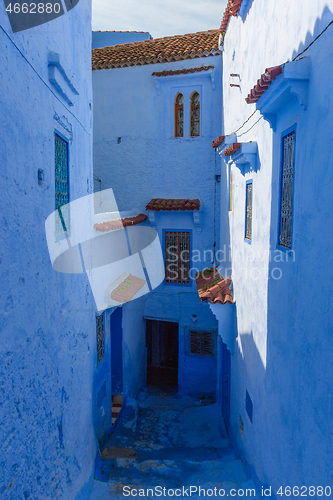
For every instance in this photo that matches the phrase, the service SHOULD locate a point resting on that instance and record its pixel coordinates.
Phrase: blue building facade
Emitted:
(154, 116)
(48, 327)
(276, 218)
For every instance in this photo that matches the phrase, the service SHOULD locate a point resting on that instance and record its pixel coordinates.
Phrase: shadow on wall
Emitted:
(319, 26)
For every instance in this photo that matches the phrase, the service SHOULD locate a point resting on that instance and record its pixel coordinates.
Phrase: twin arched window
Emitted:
(194, 115)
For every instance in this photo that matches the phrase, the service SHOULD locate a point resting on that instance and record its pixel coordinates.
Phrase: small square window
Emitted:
(200, 343)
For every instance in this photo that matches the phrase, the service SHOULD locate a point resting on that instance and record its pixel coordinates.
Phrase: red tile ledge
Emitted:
(213, 287)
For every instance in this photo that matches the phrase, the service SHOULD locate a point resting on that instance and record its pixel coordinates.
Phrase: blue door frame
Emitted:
(116, 351)
(102, 382)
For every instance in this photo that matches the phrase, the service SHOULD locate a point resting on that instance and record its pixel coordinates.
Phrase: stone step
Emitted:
(175, 471)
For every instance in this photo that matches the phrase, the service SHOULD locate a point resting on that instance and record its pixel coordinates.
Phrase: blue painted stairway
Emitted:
(171, 441)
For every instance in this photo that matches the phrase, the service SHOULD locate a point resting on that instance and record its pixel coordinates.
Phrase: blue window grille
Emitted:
(100, 337)
(61, 186)
(200, 343)
(177, 257)
(287, 185)
(248, 215)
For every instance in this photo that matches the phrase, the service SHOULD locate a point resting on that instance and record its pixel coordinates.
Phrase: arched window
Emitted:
(179, 116)
(195, 115)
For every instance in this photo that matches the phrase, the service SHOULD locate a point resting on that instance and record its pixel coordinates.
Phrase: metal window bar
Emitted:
(179, 116)
(100, 337)
(61, 186)
(248, 229)
(201, 343)
(287, 184)
(195, 115)
(177, 257)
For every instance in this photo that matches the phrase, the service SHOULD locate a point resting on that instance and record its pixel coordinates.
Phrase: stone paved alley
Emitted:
(172, 441)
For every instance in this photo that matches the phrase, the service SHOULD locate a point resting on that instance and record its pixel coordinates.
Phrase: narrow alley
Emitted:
(165, 440)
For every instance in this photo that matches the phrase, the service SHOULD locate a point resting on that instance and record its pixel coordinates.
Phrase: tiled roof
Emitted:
(218, 141)
(213, 287)
(160, 50)
(263, 84)
(232, 9)
(181, 71)
(232, 149)
(120, 223)
(170, 204)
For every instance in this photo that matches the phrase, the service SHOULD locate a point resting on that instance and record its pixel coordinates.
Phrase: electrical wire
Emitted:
(296, 57)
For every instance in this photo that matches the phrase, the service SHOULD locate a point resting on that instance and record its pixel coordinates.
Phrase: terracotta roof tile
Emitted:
(172, 204)
(213, 287)
(181, 71)
(160, 50)
(120, 223)
(232, 149)
(263, 83)
(232, 9)
(218, 141)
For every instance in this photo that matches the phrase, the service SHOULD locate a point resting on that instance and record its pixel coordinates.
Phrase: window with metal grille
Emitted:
(61, 186)
(195, 115)
(177, 257)
(287, 184)
(248, 216)
(179, 115)
(200, 343)
(100, 337)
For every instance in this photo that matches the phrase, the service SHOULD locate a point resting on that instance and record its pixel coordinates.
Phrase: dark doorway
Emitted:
(162, 353)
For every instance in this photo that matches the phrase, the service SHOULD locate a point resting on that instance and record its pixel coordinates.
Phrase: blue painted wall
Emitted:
(136, 153)
(108, 38)
(47, 325)
(283, 352)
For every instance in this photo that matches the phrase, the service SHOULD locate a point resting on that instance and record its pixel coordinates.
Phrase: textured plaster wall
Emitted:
(284, 347)
(136, 153)
(47, 324)
(108, 38)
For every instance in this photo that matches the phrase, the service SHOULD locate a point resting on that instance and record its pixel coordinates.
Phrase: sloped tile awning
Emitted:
(158, 204)
(218, 141)
(263, 83)
(212, 287)
(291, 81)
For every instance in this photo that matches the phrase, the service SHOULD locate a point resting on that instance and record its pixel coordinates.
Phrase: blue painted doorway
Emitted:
(116, 351)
